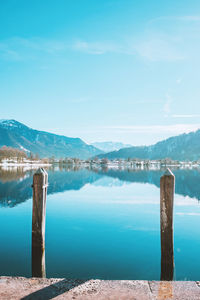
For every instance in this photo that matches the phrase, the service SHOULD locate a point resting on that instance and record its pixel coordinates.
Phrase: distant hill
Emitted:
(181, 147)
(17, 135)
(110, 146)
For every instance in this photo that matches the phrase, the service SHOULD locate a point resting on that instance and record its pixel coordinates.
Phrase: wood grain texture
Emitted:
(167, 185)
(40, 181)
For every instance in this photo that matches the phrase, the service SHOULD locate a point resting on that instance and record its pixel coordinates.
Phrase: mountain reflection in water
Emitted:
(100, 223)
(15, 183)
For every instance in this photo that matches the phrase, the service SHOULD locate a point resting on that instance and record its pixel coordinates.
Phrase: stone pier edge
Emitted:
(15, 288)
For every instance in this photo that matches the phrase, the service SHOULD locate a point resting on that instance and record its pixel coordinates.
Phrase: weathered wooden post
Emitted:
(40, 182)
(167, 185)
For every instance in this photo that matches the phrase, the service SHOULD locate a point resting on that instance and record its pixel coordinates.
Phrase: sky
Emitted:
(109, 70)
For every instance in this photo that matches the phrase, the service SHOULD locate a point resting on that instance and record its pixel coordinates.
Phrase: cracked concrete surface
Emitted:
(54, 288)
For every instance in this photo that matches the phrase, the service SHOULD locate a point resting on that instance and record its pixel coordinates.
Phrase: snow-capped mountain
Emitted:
(181, 147)
(110, 146)
(17, 135)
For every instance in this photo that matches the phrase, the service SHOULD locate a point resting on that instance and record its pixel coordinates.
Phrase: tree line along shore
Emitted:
(13, 156)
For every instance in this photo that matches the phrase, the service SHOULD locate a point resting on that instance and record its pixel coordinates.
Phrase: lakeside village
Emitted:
(11, 157)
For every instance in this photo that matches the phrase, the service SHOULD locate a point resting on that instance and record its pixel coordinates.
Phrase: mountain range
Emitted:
(17, 135)
(110, 146)
(181, 147)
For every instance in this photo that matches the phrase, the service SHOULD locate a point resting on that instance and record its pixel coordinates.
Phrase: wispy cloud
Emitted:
(144, 129)
(21, 49)
(189, 18)
(18, 48)
(152, 48)
(186, 116)
(173, 129)
(8, 53)
(155, 43)
(169, 38)
(157, 48)
(97, 48)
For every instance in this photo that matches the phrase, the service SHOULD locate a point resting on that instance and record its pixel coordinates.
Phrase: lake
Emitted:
(100, 223)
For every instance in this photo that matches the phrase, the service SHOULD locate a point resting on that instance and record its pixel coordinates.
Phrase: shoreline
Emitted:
(24, 164)
(100, 166)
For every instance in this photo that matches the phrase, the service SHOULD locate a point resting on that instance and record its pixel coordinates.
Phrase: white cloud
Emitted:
(170, 130)
(173, 129)
(96, 47)
(22, 49)
(159, 49)
(171, 42)
(172, 38)
(153, 48)
(187, 18)
(7, 53)
(186, 116)
(191, 18)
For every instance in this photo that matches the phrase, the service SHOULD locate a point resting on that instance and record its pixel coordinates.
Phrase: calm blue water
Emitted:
(100, 224)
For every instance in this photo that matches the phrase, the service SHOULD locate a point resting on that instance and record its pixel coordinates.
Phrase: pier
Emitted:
(20, 288)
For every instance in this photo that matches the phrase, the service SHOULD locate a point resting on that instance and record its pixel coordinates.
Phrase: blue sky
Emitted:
(121, 70)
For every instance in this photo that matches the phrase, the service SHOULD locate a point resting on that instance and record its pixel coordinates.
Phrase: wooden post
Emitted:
(38, 262)
(40, 181)
(167, 184)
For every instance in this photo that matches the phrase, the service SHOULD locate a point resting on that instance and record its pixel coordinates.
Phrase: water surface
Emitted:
(100, 224)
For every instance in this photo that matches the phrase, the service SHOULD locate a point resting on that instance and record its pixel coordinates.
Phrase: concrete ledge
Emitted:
(54, 288)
